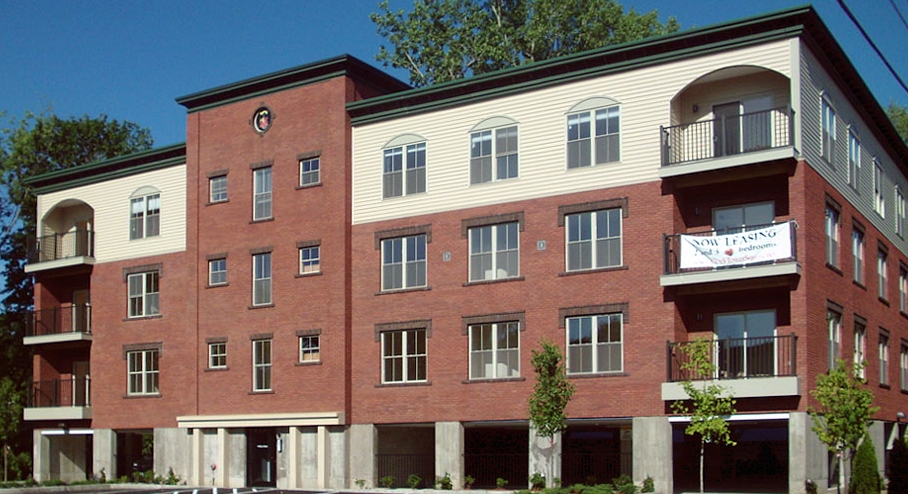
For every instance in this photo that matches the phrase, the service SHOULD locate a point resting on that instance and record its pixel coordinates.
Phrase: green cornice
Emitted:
(100, 171)
(343, 65)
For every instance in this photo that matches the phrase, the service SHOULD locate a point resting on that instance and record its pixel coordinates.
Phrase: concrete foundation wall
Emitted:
(337, 458)
(878, 436)
(545, 458)
(62, 457)
(104, 453)
(652, 452)
(173, 450)
(807, 456)
(449, 445)
(363, 441)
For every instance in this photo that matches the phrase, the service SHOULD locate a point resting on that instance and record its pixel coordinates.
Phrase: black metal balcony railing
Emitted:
(58, 320)
(73, 392)
(674, 262)
(727, 135)
(77, 243)
(739, 358)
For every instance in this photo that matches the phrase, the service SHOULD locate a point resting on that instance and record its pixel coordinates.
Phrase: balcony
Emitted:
(760, 251)
(727, 141)
(73, 248)
(58, 324)
(746, 367)
(60, 399)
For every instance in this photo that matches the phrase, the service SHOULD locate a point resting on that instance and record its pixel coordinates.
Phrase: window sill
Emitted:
(623, 267)
(262, 306)
(309, 186)
(883, 301)
(404, 384)
(905, 391)
(859, 285)
(885, 386)
(489, 282)
(141, 396)
(493, 380)
(597, 374)
(143, 318)
(262, 392)
(835, 268)
(903, 314)
(307, 363)
(404, 290)
(307, 275)
(218, 285)
(216, 369)
(210, 203)
(262, 220)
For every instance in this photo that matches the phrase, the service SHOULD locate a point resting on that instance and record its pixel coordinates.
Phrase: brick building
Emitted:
(339, 279)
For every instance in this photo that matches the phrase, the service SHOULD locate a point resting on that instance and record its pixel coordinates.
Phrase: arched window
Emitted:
(145, 213)
(593, 132)
(493, 150)
(404, 166)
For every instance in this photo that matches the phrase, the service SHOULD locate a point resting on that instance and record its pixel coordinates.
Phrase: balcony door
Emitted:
(743, 217)
(746, 344)
(80, 384)
(81, 312)
(742, 126)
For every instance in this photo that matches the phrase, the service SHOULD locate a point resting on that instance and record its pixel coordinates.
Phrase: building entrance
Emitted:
(261, 453)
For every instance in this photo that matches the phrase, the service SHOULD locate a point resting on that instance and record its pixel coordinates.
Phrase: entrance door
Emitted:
(757, 123)
(80, 384)
(746, 344)
(81, 313)
(83, 245)
(261, 449)
(727, 129)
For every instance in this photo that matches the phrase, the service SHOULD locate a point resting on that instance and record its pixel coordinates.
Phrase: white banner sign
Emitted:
(766, 244)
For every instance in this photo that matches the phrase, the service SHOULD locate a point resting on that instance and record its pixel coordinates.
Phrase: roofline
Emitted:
(329, 68)
(100, 171)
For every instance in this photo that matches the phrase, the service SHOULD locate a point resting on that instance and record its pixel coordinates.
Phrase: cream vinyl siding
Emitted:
(815, 83)
(110, 202)
(644, 96)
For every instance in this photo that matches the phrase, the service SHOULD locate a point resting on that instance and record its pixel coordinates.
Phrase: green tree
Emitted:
(31, 146)
(444, 40)
(865, 478)
(846, 406)
(551, 395)
(899, 116)
(709, 404)
(898, 468)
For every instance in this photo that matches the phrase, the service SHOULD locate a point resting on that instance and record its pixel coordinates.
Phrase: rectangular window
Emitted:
(403, 262)
(882, 266)
(854, 160)
(903, 367)
(309, 351)
(594, 240)
(261, 202)
(834, 337)
(309, 259)
(884, 358)
(143, 294)
(404, 170)
(403, 356)
(903, 289)
(860, 346)
(879, 198)
(832, 236)
(145, 216)
(857, 251)
(580, 149)
(746, 343)
(899, 212)
(217, 271)
(261, 365)
(217, 355)
(595, 344)
(502, 149)
(142, 372)
(261, 279)
(494, 252)
(217, 188)
(829, 129)
(309, 171)
(494, 350)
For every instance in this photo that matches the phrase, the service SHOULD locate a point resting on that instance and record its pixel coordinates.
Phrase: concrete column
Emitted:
(40, 456)
(337, 468)
(104, 453)
(197, 467)
(877, 433)
(545, 458)
(222, 474)
(294, 451)
(324, 453)
(173, 451)
(807, 456)
(363, 447)
(651, 438)
(449, 451)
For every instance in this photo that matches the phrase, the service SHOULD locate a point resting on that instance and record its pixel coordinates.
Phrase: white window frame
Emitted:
(404, 166)
(217, 271)
(899, 212)
(310, 350)
(884, 358)
(142, 372)
(903, 290)
(582, 235)
(261, 279)
(262, 193)
(585, 134)
(217, 355)
(406, 256)
(494, 154)
(261, 365)
(577, 343)
(860, 347)
(145, 216)
(310, 259)
(310, 171)
(828, 130)
(498, 356)
(903, 367)
(882, 272)
(832, 227)
(854, 160)
(411, 356)
(217, 189)
(833, 337)
(144, 294)
(857, 251)
(492, 249)
(879, 196)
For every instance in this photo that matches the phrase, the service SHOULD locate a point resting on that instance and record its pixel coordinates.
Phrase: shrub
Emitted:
(865, 477)
(501, 483)
(810, 486)
(387, 481)
(898, 468)
(648, 485)
(444, 483)
(52, 483)
(537, 481)
(172, 478)
(414, 480)
(360, 483)
(468, 481)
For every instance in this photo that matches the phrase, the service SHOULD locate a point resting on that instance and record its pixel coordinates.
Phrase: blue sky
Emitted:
(131, 59)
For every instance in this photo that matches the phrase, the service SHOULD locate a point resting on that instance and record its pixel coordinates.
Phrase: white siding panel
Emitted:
(645, 96)
(110, 201)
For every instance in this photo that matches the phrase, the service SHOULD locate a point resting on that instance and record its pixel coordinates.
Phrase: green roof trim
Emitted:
(104, 170)
(281, 80)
